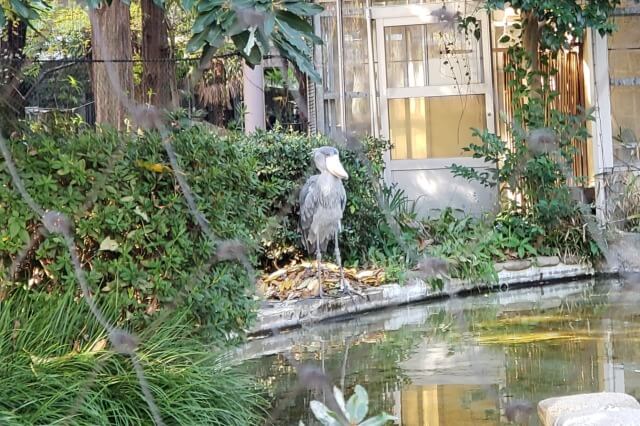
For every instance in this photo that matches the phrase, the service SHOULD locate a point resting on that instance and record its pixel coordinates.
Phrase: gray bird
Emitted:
(322, 202)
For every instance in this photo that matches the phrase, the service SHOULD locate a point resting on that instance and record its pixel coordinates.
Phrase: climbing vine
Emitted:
(531, 164)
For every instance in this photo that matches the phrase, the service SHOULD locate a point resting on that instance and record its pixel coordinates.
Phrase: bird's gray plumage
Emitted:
(322, 202)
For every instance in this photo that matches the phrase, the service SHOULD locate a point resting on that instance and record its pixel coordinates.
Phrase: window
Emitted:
(434, 127)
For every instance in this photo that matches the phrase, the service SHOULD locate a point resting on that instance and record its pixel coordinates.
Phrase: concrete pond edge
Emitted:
(276, 315)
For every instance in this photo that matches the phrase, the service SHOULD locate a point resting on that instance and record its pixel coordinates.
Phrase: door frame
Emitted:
(417, 14)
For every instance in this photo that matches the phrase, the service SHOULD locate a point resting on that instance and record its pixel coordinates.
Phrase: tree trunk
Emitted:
(11, 58)
(531, 43)
(113, 81)
(159, 86)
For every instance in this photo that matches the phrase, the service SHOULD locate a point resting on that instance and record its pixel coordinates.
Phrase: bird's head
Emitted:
(327, 159)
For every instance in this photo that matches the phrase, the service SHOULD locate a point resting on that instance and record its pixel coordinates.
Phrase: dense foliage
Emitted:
(57, 367)
(560, 19)
(255, 26)
(137, 239)
(532, 165)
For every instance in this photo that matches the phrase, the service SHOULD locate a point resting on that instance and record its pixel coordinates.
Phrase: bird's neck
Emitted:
(327, 176)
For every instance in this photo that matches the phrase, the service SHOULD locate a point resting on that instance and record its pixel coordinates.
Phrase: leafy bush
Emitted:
(532, 168)
(56, 367)
(467, 243)
(138, 240)
(473, 245)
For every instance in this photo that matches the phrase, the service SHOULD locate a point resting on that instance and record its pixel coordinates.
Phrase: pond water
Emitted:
(479, 360)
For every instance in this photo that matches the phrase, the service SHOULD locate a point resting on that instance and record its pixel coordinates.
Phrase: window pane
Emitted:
(395, 44)
(624, 69)
(396, 74)
(437, 127)
(416, 42)
(329, 34)
(453, 58)
(415, 71)
(405, 47)
(356, 68)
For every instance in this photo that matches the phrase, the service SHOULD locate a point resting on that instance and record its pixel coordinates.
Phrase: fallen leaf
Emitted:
(99, 345)
(109, 245)
(140, 213)
(153, 167)
(275, 275)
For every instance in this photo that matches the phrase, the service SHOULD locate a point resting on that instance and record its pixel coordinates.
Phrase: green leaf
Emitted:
(14, 229)
(504, 39)
(323, 414)
(294, 22)
(263, 41)
(207, 5)
(241, 41)
(269, 23)
(24, 236)
(3, 19)
(21, 9)
(358, 405)
(203, 21)
(339, 396)
(302, 62)
(245, 4)
(215, 38)
(251, 42)
(380, 420)
(294, 37)
(196, 42)
(303, 8)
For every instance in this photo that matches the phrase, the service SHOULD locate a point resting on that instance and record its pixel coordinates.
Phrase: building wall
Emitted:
(624, 75)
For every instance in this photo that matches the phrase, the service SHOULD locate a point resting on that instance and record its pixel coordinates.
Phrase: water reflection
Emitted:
(482, 360)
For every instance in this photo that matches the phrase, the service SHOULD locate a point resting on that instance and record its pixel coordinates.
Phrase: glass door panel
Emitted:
(434, 127)
(453, 58)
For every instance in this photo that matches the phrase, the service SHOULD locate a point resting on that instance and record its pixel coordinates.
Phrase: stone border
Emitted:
(294, 313)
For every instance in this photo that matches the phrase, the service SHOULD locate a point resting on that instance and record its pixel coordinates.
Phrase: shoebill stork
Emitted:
(322, 202)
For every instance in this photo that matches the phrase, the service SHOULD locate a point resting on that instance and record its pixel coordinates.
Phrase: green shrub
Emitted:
(532, 166)
(57, 368)
(151, 245)
(138, 240)
(467, 243)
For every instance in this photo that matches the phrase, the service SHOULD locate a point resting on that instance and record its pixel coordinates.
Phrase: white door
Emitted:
(435, 85)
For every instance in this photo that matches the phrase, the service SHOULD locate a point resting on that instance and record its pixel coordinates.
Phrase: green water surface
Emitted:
(480, 360)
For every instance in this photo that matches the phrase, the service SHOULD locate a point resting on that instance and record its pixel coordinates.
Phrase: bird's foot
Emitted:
(347, 290)
(320, 292)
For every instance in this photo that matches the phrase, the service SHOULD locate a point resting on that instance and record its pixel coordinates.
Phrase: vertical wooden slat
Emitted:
(569, 82)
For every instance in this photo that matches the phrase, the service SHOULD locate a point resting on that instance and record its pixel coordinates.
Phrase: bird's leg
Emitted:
(344, 287)
(319, 259)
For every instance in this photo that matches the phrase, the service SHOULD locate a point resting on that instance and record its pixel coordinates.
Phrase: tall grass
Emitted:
(56, 367)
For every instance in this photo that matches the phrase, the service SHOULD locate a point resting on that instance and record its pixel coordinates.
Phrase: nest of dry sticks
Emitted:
(299, 280)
